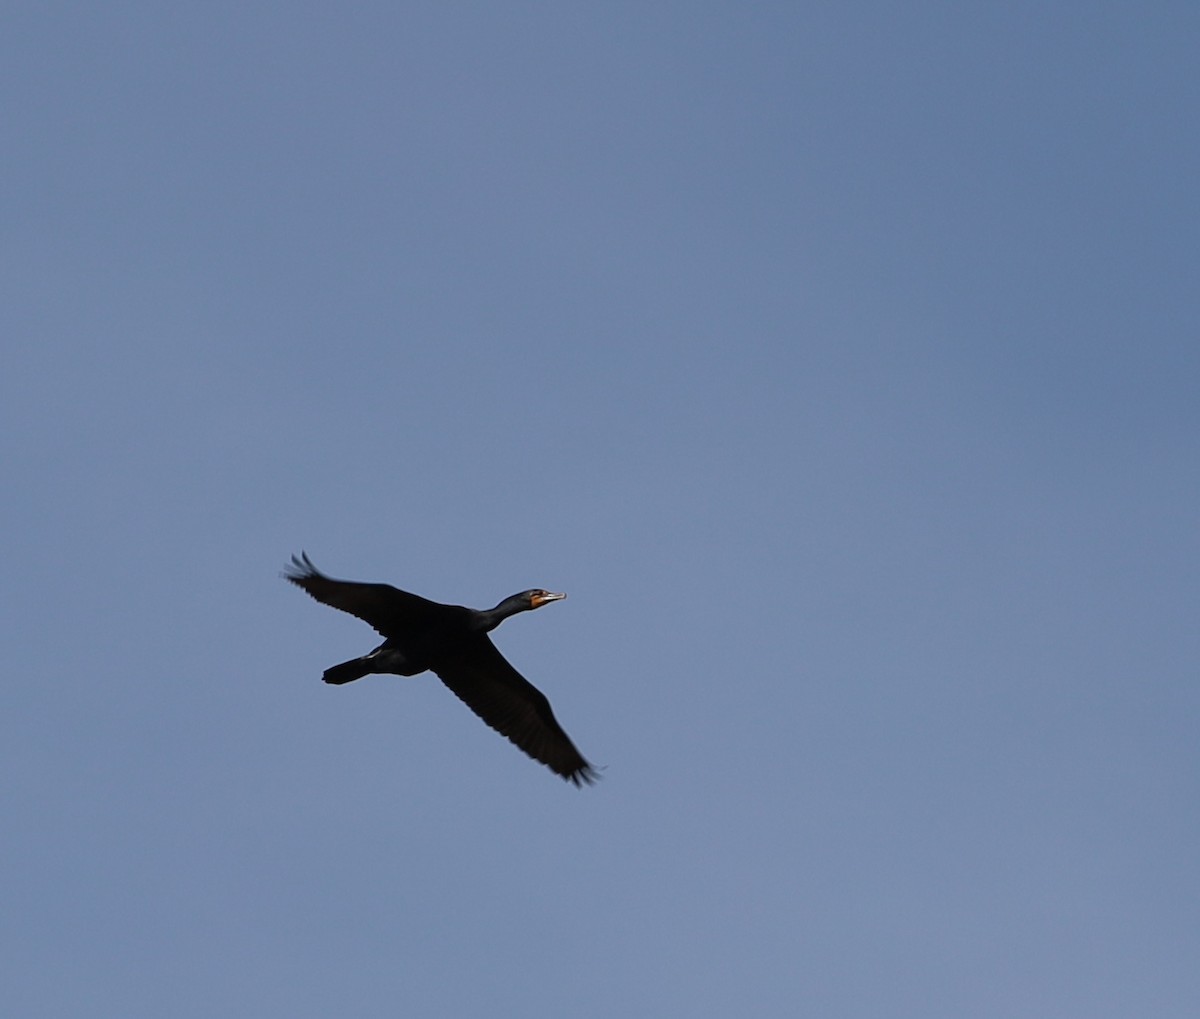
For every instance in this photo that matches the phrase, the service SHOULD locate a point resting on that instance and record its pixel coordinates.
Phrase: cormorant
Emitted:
(453, 642)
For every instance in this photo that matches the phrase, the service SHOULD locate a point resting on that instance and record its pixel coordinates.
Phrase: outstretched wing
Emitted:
(483, 680)
(389, 610)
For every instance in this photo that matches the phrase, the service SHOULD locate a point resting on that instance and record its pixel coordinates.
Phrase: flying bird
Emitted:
(451, 641)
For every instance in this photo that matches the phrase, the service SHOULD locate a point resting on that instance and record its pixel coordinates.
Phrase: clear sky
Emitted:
(841, 362)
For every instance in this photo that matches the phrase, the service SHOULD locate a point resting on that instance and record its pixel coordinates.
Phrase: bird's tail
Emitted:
(347, 672)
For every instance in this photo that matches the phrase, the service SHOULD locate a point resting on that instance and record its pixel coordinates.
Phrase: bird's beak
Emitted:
(540, 599)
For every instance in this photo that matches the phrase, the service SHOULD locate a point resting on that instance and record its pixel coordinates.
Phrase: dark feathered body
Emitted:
(451, 641)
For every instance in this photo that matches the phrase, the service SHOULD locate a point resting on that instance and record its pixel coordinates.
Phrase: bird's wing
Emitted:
(484, 681)
(389, 610)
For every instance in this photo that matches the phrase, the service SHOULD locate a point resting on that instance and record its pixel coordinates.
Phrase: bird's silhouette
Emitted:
(451, 641)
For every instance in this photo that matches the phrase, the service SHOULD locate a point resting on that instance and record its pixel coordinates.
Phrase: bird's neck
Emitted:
(491, 618)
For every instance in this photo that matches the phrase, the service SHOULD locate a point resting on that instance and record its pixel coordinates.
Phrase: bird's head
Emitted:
(538, 597)
(515, 603)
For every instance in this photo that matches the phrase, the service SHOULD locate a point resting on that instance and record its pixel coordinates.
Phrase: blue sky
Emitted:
(839, 360)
